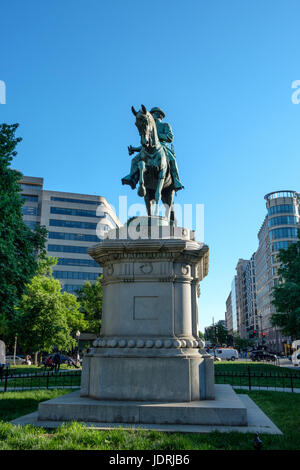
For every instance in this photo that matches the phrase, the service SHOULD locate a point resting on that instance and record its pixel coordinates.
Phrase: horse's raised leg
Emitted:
(167, 199)
(160, 184)
(148, 204)
(142, 189)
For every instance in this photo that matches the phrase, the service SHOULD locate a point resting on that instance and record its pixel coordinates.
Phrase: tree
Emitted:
(286, 296)
(90, 299)
(19, 245)
(222, 334)
(201, 335)
(46, 317)
(217, 334)
(242, 343)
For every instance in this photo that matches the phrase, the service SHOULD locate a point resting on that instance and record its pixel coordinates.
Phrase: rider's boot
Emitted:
(177, 185)
(174, 172)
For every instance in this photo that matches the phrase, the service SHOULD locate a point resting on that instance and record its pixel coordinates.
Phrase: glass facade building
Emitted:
(73, 222)
(279, 230)
(250, 300)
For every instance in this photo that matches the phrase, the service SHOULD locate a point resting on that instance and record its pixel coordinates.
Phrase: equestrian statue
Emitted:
(154, 168)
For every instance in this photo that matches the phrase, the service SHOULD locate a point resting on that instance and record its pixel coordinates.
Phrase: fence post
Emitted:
(5, 380)
(249, 378)
(292, 385)
(47, 381)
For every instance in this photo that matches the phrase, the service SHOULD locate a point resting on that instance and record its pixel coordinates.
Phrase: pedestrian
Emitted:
(28, 360)
(1, 371)
(49, 363)
(57, 361)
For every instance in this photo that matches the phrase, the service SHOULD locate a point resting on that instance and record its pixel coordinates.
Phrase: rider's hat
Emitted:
(158, 110)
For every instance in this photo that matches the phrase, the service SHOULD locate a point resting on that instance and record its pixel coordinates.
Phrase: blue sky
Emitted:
(221, 70)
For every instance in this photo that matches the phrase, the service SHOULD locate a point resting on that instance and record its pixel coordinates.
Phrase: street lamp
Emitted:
(260, 329)
(77, 337)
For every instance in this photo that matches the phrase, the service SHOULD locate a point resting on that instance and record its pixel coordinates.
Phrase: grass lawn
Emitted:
(282, 408)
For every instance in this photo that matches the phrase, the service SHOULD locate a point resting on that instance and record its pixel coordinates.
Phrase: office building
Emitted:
(241, 302)
(278, 230)
(74, 223)
(228, 314)
(250, 281)
(235, 322)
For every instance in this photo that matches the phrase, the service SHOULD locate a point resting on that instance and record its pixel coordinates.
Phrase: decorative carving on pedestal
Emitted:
(168, 343)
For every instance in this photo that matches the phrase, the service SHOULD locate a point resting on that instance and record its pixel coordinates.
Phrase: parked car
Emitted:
(228, 354)
(18, 360)
(262, 355)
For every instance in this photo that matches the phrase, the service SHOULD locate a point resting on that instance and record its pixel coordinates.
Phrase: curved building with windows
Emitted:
(279, 229)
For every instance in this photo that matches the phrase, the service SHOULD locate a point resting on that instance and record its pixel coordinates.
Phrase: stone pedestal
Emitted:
(149, 351)
(149, 347)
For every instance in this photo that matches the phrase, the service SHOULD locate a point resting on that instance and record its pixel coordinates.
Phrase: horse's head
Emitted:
(146, 127)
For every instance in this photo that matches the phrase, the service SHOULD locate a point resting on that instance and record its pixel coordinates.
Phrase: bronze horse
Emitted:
(155, 180)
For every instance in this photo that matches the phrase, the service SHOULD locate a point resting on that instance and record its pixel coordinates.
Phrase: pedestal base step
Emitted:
(226, 410)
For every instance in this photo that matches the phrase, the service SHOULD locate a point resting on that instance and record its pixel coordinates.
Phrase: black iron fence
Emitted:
(10, 381)
(249, 379)
(253, 380)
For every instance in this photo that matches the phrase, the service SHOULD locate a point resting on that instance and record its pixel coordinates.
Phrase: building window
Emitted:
(282, 208)
(31, 224)
(281, 245)
(30, 198)
(68, 248)
(77, 262)
(29, 210)
(283, 220)
(74, 212)
(73, 236)
(72, 224)
(274, 259)
(287, 232)
(71, 288)
(75, 275)
(31, 186)
(77, 201)
(81, 213)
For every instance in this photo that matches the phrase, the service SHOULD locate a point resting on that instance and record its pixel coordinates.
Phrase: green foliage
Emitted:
(90, 299)
(287, 293)
(217, 334)
(19, 245)
(242, 343)
(46, 317)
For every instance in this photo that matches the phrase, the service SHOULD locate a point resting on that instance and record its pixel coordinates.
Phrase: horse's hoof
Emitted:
(142, 191)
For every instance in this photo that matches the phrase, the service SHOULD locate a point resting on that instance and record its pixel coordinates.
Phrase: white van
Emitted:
(296, 358)
(227, 354)
(296, 354)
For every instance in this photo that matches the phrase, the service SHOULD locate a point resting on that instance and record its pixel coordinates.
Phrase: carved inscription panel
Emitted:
(145, 308)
